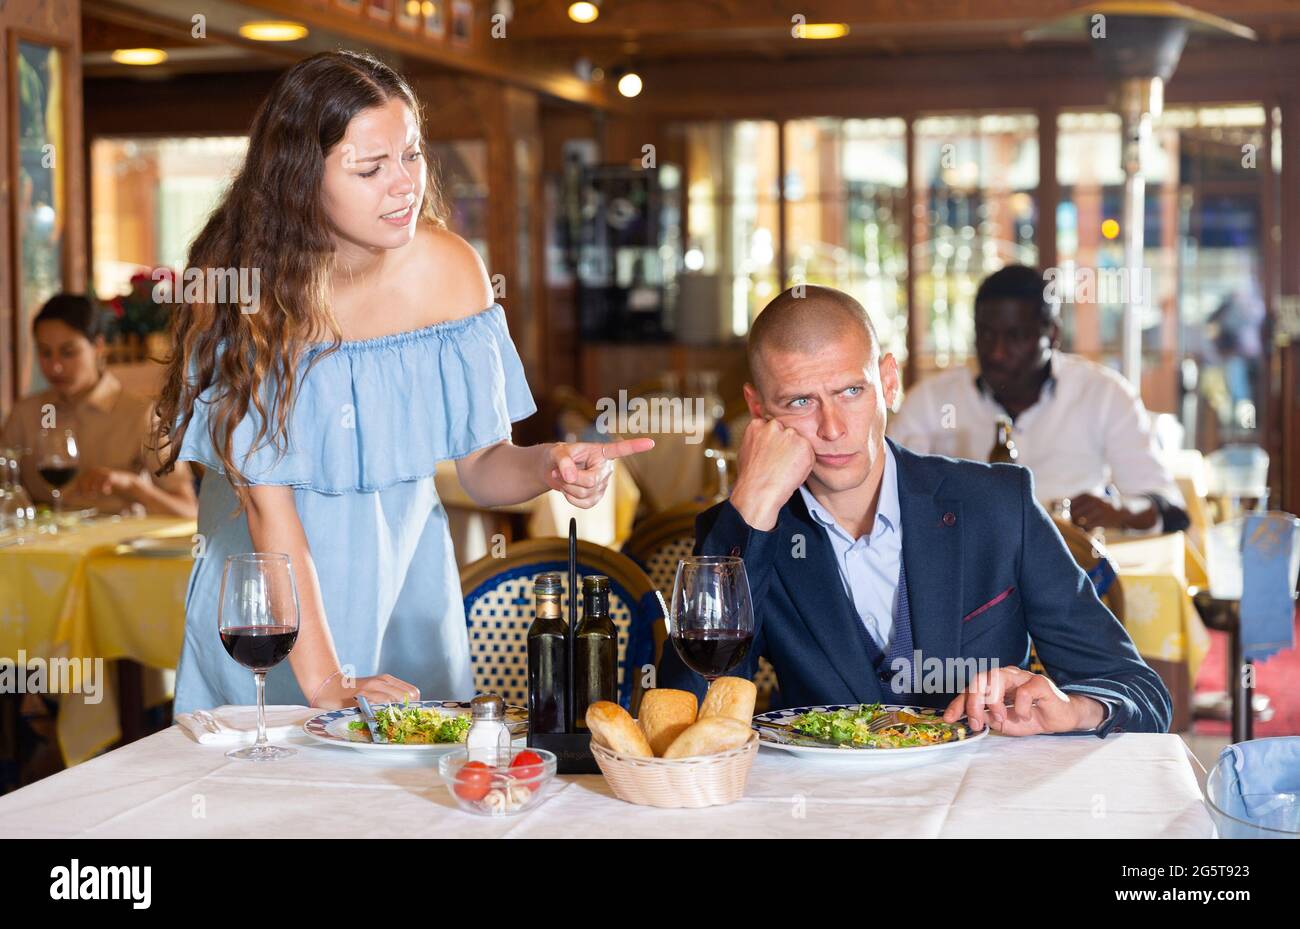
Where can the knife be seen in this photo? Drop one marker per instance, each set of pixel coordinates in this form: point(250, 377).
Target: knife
point(368, 715)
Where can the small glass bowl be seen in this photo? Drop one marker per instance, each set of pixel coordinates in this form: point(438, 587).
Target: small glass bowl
point(497, 789)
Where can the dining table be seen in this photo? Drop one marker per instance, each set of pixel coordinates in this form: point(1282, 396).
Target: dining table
point(169, 785)
point(106, 591)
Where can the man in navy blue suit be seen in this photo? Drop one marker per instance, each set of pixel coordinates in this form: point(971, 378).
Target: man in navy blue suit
point(881, 575)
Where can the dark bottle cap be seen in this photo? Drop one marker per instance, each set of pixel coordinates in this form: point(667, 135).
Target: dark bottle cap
point(548, 583)
point(595, 582)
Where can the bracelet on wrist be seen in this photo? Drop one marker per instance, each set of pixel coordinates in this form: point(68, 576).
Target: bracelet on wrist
point(321, 686)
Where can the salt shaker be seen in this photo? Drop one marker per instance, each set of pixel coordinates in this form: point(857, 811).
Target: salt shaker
point(488, 739)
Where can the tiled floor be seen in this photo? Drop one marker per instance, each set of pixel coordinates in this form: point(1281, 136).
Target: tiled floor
point(1206, 748)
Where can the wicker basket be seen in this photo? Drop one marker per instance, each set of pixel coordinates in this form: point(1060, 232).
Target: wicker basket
point(685, 783)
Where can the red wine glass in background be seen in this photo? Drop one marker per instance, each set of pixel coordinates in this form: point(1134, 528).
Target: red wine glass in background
point(712, 615)
point(57, 462)
point(258, 620)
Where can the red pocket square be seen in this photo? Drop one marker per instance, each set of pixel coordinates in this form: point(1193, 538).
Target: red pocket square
point(988, 606)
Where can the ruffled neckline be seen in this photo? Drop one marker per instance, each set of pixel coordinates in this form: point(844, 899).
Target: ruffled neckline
point(393, 339)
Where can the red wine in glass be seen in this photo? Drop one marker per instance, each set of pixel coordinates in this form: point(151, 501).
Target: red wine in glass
point(713, 652)
point(712, 616)
point(57, 476)
point(257, 619)
point(57, 461)
point(259, 648)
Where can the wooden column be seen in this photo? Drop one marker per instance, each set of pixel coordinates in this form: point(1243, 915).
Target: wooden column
point(507, 119)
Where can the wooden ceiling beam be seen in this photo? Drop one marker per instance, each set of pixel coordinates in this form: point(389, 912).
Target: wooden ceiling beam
point(542, 19)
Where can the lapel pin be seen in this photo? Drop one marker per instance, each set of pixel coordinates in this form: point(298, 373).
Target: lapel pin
point(949, 519)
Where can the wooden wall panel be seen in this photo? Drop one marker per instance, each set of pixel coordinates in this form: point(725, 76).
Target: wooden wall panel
point(56, 21)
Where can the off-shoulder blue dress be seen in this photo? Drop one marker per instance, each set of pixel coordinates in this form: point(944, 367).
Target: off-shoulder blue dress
point(370, 423)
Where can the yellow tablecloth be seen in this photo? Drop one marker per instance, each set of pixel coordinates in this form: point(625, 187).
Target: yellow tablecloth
point(1159, 614)
point(71, 596)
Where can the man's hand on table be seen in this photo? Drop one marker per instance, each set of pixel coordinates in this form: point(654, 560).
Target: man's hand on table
point(774, 461)
point(1037, 705)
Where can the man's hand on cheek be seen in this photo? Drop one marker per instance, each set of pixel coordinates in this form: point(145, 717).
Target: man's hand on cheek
point(774, 460)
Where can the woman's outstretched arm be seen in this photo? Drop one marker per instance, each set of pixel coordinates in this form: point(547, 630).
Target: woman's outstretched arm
point(504, 473)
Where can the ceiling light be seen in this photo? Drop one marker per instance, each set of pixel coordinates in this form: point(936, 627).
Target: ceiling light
point(268, 30)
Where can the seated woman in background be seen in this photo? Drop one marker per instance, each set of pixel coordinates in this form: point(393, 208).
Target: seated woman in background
point(112, 425)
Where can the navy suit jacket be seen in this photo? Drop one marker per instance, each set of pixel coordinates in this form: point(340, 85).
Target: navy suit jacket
point(987, 571)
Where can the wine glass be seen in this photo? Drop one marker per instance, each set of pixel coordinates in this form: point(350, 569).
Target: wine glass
point(258, 620)
point(712, 614)
point(57, 461)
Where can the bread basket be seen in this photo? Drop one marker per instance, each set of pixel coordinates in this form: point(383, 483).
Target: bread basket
point(679, 783)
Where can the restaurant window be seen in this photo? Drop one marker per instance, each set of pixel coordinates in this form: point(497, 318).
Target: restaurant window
point(975, 184)
point(845, 215)
point(1204, 313)
point(150, 197)
point(732, 226)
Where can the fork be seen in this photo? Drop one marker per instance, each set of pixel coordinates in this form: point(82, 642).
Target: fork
point(895, 717)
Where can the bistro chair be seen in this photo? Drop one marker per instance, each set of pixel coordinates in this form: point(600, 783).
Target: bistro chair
point(499, 610)
point(658, 544)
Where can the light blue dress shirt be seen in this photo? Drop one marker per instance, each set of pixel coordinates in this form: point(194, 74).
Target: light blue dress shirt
point(869, 564)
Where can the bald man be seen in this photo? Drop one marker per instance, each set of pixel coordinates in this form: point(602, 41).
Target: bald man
point(879, 575)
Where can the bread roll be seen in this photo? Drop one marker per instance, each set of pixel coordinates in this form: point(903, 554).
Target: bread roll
point(664, 715)
point(612, 727)
point(732, 697)
point(709, 736)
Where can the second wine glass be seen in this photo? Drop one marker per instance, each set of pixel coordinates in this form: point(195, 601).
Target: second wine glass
point(712, 615)
point(57, 462)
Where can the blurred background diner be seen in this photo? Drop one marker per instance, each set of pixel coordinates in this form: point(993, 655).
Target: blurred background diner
point(640, 178)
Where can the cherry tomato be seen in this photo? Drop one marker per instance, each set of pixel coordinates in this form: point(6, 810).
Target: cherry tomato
point(526, 766)
point(473, 781)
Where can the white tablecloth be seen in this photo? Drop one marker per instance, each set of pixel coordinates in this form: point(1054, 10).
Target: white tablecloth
point(167, 785)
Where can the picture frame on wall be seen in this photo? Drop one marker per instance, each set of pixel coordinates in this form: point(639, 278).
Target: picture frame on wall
point(435, 22)
point(380, 10)
point(462, 22)
point(407, 15)
point(39, 156)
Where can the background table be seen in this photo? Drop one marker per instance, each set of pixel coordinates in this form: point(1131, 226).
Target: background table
point(1127, 785)
point(73, 595)
point(1159, 613)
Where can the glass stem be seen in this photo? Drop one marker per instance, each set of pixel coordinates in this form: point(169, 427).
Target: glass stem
point(261, 707)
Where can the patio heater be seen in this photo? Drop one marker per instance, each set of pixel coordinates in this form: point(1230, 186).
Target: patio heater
point(1138, 44)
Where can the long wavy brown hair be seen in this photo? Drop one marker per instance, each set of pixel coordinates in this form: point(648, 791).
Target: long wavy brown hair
point(272, 219)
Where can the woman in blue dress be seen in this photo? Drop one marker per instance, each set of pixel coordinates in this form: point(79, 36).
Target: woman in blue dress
point(320, 405)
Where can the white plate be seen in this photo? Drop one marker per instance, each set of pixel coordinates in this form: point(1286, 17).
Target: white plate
point(880, 758)
point(332, 728)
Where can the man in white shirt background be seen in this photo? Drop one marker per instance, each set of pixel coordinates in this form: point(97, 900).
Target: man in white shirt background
point(1079, 426)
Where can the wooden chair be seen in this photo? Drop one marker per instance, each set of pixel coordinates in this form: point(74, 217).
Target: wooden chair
point(657, 544)
point(574, 413)
point(1090, 555)
point(499, 609)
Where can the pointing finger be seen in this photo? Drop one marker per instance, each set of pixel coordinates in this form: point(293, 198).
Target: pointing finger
point(622, 449)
